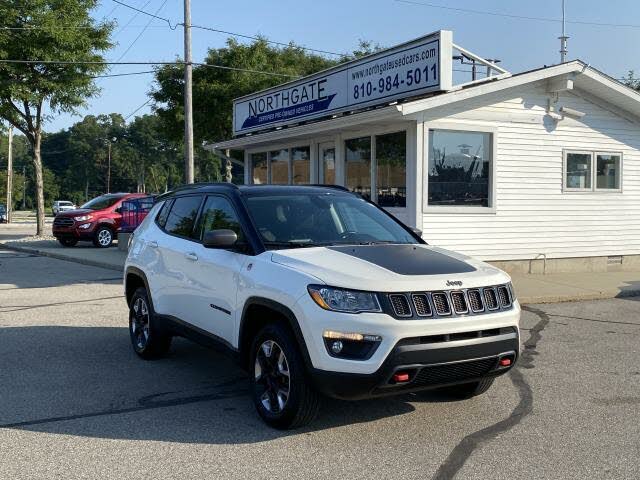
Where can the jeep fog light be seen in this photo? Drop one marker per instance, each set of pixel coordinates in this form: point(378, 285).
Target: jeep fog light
point(351, 346)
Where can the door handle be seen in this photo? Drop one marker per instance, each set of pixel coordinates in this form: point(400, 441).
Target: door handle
point(153, 244)
point(191, 256)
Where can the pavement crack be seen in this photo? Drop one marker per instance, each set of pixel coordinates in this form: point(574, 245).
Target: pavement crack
point(222, 391)
point(461, 452)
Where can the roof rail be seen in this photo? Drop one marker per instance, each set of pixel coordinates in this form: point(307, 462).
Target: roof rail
point(195, 186)
point(336, 187)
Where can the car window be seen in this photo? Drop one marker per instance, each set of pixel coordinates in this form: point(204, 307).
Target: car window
point(307, 220)
point(161, 219)
point(101, 202)
point(219, 214)
point(182, 215)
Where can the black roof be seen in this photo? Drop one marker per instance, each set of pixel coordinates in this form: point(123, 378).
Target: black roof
point(252, 189)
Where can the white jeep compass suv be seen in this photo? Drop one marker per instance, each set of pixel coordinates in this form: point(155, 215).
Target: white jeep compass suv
point(316, 291)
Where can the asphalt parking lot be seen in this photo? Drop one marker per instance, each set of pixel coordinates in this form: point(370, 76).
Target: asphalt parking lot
point(75, 401)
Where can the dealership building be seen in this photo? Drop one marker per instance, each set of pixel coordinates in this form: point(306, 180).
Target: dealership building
point(538, 171)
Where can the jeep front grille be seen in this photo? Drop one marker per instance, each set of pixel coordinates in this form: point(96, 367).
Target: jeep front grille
point(459, 302)
point(490, 299)
point(503, 296)
point(400, 305)
point(421, 304)
point(473, 301)
point(441, 303)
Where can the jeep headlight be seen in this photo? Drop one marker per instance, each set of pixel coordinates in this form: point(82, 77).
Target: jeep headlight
point(83, 218)
point(341, 300)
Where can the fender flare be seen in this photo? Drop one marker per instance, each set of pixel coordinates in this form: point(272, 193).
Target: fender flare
point(140, 274)
point(287, 314)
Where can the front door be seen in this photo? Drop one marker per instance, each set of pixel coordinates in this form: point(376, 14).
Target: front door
point(327, 163)
point(214, 275)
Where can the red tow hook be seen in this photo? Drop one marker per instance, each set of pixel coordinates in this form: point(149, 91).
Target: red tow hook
point(505, 362)
point(400, 377)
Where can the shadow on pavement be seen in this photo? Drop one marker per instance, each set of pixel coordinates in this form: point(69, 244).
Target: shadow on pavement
point(87, 381)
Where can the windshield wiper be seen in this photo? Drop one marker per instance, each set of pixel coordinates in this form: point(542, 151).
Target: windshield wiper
point(290, 244)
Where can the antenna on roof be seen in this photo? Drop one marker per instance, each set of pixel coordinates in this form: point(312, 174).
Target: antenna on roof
point(563, 39)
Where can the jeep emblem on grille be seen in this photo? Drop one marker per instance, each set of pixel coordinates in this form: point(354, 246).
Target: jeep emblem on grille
point(454, 283)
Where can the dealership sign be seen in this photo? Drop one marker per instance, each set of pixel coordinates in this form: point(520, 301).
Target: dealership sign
point(407, 70)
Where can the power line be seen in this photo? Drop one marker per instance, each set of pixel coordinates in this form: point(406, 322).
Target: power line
point(75, 62)
point(123, 74)
point(130, 20)
point(520, 17)
point(138, 109)
point(142, 32)
point(174, 26)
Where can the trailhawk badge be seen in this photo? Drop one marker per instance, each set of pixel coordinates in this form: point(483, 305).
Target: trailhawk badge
point(454, 283)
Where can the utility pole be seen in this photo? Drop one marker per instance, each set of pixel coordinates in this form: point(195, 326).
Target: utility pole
point(188, 96)
point(10, 176)
point(109, 169)
point(563, 39)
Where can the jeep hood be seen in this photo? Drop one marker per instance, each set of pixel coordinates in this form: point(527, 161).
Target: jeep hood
point(388, 267)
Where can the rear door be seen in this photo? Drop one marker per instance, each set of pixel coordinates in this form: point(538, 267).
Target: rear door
point(214, 276)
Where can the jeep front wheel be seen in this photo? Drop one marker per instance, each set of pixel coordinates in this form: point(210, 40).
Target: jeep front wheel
point(281, 391)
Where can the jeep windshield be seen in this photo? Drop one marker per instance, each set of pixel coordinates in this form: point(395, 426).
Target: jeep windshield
point(298, 220)
point(101, 202)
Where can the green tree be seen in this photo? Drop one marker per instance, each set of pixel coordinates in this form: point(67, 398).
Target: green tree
point(632, 81)
point(214, 88)
point(28, 89)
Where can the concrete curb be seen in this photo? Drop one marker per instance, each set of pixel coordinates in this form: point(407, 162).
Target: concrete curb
point(526, 300)
point(82, 261)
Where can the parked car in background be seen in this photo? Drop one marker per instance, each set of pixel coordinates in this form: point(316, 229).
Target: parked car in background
point(3, 213)
point(96, 221)
point(62, 206)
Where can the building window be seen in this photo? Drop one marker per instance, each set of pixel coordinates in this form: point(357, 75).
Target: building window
point(391, 169)
point(328, 165)
point(358, 166)
point(459, 171)
point(301, 165)
point(578, 171)
point(259, 168)
point(279, 167)
point(608, 171)
point(586, 171)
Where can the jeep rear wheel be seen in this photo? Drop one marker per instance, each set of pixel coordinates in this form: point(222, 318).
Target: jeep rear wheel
point(103, 237)
point(280, 388)
point(147, 338)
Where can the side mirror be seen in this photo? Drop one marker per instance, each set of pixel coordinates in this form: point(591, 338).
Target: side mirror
point(222, 238)
point(417, 231)
point(118, 210)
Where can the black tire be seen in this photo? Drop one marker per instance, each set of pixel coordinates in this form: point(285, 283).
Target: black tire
point(302, 401)
point(68, 242)
point(469, 390)
point(147, 338)
point(103, 237)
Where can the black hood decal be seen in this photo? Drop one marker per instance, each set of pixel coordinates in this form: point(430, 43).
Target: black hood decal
point(407, 259)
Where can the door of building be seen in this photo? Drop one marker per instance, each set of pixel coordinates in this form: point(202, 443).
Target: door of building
point(327, 163)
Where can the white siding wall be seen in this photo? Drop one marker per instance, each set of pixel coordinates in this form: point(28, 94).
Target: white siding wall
point(533, 216)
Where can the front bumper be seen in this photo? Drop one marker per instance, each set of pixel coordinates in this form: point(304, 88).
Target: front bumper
point(74, 231)
point(428, 365)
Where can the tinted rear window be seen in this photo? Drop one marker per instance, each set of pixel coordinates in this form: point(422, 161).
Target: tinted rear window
point(182, 215)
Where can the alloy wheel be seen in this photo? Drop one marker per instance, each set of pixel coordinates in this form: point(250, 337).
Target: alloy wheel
point(104, 237)
point(271, 373)
point(140, 323)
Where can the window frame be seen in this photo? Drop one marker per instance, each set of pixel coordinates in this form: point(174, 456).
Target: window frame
point(195, 222)
point(461, 127)
point(373, 134)
point(280, 146)
point(594, 173)
point(235, 211)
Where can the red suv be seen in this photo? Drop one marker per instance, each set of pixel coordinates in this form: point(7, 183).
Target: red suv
point(97, 220)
